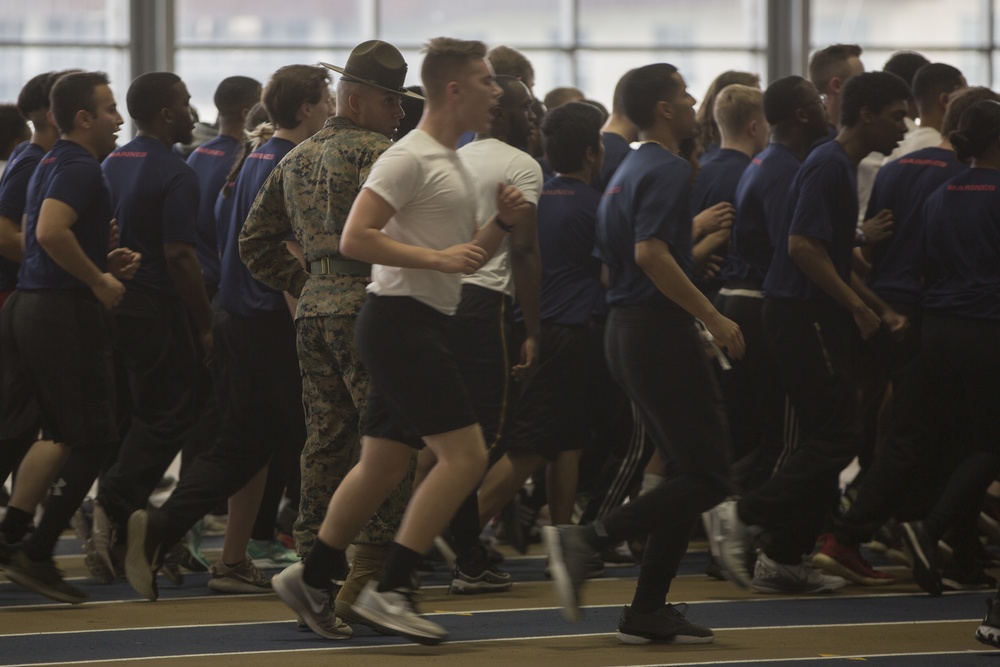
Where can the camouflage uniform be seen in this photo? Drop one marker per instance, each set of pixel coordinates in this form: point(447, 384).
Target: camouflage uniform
point(309, 195)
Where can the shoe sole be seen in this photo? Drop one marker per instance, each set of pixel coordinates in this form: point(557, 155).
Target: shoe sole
point(138, 569)
point(565, 591)
point(35, 586)
point(386, 624)
point(285, 593)
point(346, 612)
point(95, 565)
point(472, 588)
point(826, 588)
point(988, 635)
point(638, 640)
point(101, 540)
point(832, 566)
point(923, 572)
point(734, 572)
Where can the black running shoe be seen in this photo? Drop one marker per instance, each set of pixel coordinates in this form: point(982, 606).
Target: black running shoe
point(924, 555)
point(666, 625)
point(42, 577)
point(988, 631)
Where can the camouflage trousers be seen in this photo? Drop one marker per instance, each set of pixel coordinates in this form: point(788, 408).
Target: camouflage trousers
point(334, 393)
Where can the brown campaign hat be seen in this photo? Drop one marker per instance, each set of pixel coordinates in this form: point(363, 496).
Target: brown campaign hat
point(378, 64)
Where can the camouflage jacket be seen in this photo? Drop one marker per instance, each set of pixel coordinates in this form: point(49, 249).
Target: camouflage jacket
point(308, 196)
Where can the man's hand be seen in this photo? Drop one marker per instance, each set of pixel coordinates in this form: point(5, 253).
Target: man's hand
point(712, 219)
point(510, 202)
point(727, 335)
point(895, 323)
point(529, 358)
point(113, 236)
point(868, 322)
point(878, 228)
point(462, 258)
point(108, 290)
point(123, 263)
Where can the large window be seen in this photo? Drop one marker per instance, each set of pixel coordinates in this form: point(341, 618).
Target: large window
point(43, 35)
point(584, 43)
point(957, 32)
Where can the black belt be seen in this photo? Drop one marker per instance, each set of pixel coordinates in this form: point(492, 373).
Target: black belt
point(349, 267)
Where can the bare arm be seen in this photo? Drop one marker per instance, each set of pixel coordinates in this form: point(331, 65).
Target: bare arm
point(526, 267)
point(812, 258)
point(363, 240)
point(653, 256)
point(55, 235)
point(185, 272)
point(11, 240)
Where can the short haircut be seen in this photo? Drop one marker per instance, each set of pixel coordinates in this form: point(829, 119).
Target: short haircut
point(600, 107)
point(783, 98)
point(708, 129)
point(73, 92)
point(289, 88)
point(645, 88)
point(737, 105)
point(962, 100)
point(875, 90)
point(905, 65)
point(445, 60)
point(978, 130)
point(13, 127)
point(933, 79)
point(512, 62)
point(236, 93)
point(831, 62)
point(567, 132)
point(507, 82)
point(150, 93)
point(561, 95)
point(618, 102)
point(34, 96)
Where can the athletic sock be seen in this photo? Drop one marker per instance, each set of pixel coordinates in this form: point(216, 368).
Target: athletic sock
point(323, 565)
point(399, 567)
point(15, 524)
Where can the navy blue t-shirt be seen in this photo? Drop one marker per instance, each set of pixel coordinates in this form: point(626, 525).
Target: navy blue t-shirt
point(763, 208)
point(13, 195)
point(212, 162)
point(71, 175)
point(615, 150)
point(571, 275)
point(649, 196)
point(903, 186)
point(239, 292)
point(961, 246)
point(716, 181)
point(825, 196)
point(155, 196)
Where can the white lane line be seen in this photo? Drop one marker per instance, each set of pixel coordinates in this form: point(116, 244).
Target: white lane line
point(859, 656)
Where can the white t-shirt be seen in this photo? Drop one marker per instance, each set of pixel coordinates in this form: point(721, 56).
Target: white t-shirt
point(917, 137)
point(491, 162)
point(435, 202)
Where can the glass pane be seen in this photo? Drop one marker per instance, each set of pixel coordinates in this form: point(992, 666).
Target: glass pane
point(655, 23)
point(900, 24)
point(598, 72)
point(19, 64)
point(973, 64)
point(203, 69)
point(409, 23)
point(78, 21)
point(306, 22)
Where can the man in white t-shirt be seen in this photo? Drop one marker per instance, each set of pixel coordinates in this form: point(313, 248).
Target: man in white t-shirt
point(416, 221)
point(480, 335)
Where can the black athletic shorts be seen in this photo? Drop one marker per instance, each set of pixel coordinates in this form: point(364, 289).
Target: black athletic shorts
point(416, 387)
